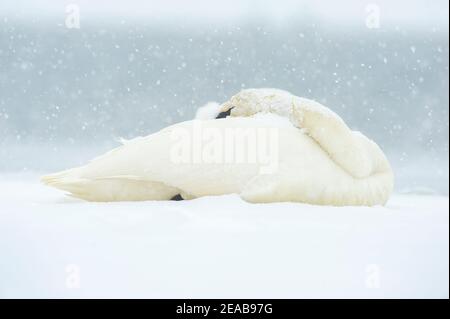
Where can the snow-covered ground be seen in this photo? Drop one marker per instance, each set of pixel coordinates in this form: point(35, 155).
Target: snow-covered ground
point(54, 246)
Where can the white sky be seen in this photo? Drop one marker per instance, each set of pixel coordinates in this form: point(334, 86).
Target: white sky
point(396, 12)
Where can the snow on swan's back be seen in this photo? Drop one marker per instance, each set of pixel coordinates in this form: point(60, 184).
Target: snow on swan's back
point(272, 147)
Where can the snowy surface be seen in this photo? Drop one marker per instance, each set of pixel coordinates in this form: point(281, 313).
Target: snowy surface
point(54, 246)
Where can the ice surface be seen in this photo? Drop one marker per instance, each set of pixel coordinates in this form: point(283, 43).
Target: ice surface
point(218, 247)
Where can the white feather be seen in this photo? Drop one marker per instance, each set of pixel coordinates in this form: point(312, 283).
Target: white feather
point(208, 112)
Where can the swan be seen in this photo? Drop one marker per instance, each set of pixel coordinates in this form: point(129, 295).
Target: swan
point(266, 145)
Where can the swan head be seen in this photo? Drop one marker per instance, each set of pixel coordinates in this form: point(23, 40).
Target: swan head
point(249, 101)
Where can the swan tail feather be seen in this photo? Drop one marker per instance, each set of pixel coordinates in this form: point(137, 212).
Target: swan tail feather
point(109, 188)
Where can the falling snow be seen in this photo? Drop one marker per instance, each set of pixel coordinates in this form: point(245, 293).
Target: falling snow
point(80, 89)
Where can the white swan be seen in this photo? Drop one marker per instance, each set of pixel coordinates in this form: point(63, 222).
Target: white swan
point(273, 147)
